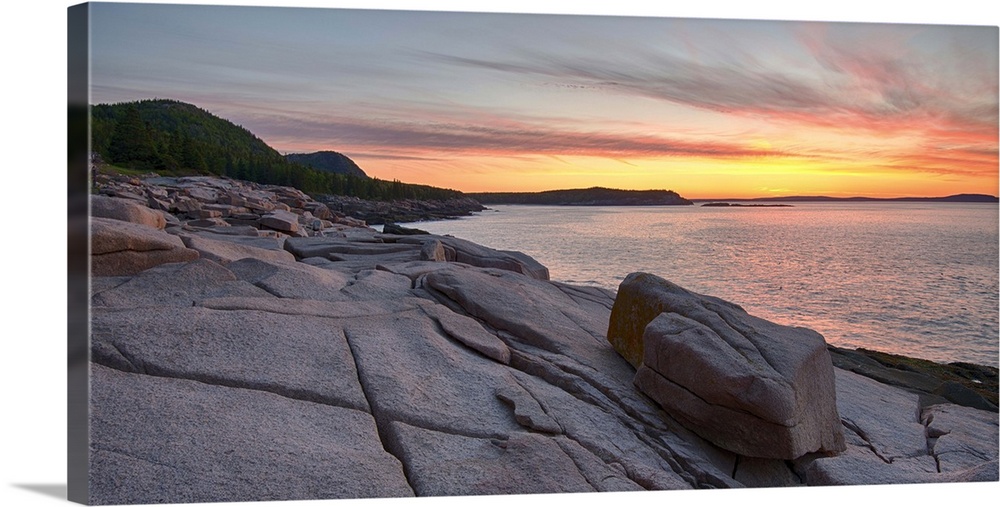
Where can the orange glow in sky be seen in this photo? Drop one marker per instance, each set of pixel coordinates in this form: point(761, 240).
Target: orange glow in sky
point(707, 108)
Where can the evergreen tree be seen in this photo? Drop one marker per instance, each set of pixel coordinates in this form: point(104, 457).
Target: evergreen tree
point(131, 144)
point(190, 154)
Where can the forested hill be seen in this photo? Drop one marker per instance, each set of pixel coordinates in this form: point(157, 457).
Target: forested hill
point(176, 138)
point(596, 196)
point(328, 161)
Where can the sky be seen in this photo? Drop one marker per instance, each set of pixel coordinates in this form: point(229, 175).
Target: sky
point(528, 102)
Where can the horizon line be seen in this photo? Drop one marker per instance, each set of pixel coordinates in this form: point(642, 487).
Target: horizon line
point(782, 197)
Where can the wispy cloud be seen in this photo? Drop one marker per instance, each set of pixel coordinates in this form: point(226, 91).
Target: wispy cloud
point(847, 86)
point(389, 156)
point(474, 138)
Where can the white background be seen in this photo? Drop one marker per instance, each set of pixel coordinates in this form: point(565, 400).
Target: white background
point(33, 166)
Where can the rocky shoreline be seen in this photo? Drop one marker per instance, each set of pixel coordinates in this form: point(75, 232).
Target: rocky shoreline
point(406, 210)
point(251, 343)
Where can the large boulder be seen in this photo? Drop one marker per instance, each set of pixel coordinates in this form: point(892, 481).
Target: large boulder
point(126, 210)
point(125, 248)
point(748, 385)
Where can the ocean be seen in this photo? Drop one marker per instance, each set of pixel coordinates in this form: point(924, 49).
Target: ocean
point(918, 279)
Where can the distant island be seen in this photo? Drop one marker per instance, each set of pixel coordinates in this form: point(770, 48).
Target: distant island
point(601, 196)
point(823, 198)
point(738, 205)
point(594, 196)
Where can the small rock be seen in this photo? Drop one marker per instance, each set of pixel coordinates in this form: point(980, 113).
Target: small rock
point(470, 333)
point(205, 195)
point(961, 395)
point(281, 220)
point(527, 411)
point(206, 213)
point(185, 205)
point(432, 251)
point(208, 222)
point(392, 228)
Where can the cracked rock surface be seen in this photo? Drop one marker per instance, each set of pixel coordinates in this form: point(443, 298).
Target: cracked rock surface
point(356, 366)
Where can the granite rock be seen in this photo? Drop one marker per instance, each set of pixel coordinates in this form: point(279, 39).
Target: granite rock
point(454, 464)
point(225, 249)
point(293, 280)
point(962, 439)
point(176, 284)
point(126, 210)
point(309, 360)
point(347, 367)
point(281, 220)
point(748, 385)
point(166, 440)
point(126, 248)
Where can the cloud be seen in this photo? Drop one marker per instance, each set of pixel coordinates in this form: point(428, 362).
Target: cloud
point(886, 84)
point(726, 88)
point(414, 134)
point(877, 84)
point(417, 139)
point(390, 156)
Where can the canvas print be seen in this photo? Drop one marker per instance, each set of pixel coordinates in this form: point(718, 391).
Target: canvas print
point(342, 253)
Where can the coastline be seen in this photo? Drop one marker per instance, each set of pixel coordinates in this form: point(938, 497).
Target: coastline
point(969, 384)
point(349, 212)
point(782, 265)
point(964, 383)
point(975, 382)
point(432, 365)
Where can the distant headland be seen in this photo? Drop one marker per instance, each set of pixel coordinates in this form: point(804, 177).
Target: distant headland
point(823, 198)
point(594, 196)
point(601, 196)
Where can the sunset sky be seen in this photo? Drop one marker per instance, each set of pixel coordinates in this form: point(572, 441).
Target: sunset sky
point(507, 102)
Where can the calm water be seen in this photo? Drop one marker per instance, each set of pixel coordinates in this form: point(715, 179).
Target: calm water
point(915, 279)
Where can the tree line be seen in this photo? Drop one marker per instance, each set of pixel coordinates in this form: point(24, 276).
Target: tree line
point(174, 138)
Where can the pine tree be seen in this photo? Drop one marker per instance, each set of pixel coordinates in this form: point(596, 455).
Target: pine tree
point(131, 144)
point(191, 156)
